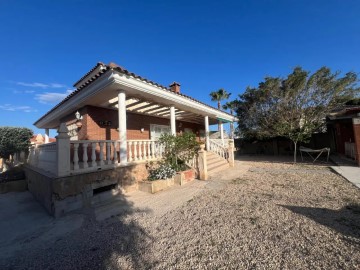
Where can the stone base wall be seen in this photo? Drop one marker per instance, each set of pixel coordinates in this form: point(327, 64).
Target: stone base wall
point(62, 195)
point(13, 186)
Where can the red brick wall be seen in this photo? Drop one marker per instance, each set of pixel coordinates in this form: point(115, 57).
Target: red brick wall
point(357, 141)
point(92, 129)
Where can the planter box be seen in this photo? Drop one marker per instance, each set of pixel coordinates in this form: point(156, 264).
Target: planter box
point(181, 178)
point(155, 186)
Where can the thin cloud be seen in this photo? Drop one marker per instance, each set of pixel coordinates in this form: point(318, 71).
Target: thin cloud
point(13, 108)
point(42, 85)
point(23, 92)
point(52, 97)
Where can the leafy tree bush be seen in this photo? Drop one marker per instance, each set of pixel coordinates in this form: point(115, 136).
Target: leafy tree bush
point(14, 140)
point(179, 149)
point(294, 107)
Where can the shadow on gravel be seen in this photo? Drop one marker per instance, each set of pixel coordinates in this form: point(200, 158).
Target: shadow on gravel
point(118, 242)
point(345, 221)
point(321, 162)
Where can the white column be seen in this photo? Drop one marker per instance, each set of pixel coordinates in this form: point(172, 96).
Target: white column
point(46, 135)
point(222, 132)
point(172, 120)
point(122, 126)
point(207, 133)
point(63, 151)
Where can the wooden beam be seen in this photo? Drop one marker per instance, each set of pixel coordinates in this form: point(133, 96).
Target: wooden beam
point(134, 103)
point(153, 109)
point(164, 112)
point(142, 107)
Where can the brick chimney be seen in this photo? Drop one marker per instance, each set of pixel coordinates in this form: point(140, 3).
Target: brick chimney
point(175, 87)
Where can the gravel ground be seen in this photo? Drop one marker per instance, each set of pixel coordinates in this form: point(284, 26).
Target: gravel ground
point(275, 216)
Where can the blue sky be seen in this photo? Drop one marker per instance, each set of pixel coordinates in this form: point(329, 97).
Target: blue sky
point(46, 46)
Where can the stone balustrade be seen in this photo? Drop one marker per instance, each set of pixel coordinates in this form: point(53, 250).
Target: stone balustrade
point(65, 157)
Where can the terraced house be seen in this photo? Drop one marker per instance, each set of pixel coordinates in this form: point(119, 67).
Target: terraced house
point(108, 129)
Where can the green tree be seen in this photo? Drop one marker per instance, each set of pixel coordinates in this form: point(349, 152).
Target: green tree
point(179, 149)
point(218, 96)
point(294, 107)
point(231, 106)
point(14, 140)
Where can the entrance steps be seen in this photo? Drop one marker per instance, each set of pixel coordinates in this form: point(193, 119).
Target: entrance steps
point(216, 163)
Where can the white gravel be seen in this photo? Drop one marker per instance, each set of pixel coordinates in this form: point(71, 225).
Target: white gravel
point(275, 216)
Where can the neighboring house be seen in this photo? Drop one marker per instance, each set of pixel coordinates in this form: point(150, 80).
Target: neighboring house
point(108, 129)
point(344, 128)
point(41, 139)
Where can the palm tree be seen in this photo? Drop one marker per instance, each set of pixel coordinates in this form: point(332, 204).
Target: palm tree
point(218, 96)
point(232, 106)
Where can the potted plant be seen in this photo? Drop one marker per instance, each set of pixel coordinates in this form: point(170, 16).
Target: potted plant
point(161, 177)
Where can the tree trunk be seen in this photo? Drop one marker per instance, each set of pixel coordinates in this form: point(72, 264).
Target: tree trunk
point(219, 107)
point(295, 143)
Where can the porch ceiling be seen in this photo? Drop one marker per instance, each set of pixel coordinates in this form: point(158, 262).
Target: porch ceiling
point(145, 107)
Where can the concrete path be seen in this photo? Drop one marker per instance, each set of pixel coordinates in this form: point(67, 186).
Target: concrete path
point(352, 174)
point(347, 169)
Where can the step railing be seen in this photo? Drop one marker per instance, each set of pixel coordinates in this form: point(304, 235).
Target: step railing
point(218, 148)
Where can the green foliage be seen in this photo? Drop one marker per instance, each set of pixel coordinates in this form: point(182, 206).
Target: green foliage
point(353, 102)
point(13, 140)
point(179, 149)
point(231, 105)
point(219, 95)
point(294, 107)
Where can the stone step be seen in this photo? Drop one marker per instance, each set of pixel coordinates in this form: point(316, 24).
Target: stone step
point(218, 168)
point(212, 157)
point(215, 160)
point(216, 164)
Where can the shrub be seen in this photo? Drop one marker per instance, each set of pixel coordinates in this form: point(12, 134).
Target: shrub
point(14, 140)
point(179, 149)
point(164, 171)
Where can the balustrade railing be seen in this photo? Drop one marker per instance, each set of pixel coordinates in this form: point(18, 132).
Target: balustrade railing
point(89, 155)
point(140, 150)
point(43, 156)
point(223, 142)
point(218, 148)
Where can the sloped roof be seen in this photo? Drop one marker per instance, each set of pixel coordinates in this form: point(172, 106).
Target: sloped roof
point(99, 69)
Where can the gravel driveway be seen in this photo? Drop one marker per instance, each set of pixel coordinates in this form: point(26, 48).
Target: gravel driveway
point(273, 215)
